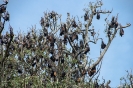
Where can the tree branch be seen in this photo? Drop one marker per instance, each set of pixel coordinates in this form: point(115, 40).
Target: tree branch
point(106, 48)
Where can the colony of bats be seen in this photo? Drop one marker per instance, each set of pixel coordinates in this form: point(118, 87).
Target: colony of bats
point(46, 50)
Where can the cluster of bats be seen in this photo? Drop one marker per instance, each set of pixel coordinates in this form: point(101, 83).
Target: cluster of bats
point(47, 42)
point(32, 42)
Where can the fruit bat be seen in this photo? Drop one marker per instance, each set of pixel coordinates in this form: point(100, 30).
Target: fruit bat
point(86, 16)
point(121, 32)
point(92, 71)
point(103, 45)
point(74, 24)
point(52, 58)
point(42, 21)
point(73, 37)
point(81, 44)
point(98, 15)
point(87, 49)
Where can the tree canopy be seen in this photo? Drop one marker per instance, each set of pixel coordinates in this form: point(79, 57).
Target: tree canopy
point(57, 55)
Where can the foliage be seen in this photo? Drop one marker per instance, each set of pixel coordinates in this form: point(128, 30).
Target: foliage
point(56, 55)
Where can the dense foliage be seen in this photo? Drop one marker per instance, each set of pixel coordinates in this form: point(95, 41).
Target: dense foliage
point(56, 55)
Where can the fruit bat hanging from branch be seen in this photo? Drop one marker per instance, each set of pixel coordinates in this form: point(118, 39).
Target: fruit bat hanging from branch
point(74, 24)
point(65, 39)
point(98, 15)
point(121, 31)
point(73, 36)
point(62, 29)
point(93, 33)
point(116, 21)
point(92, 71)
point(2, 9)
point(87, 49)
point(86, 16)
point(49, 64)
point(42, 21)
point(103, 45)
point(61, 59)
point(81, 44)
point(113, 21)
point(45, 31)
point(52, 58)
point(51, 38)
point(63, 74)
point(76, 46)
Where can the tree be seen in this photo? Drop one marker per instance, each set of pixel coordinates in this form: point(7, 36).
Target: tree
point(126, 81)
point(57, 55)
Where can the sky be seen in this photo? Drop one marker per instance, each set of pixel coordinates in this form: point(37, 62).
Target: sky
point(118, 58)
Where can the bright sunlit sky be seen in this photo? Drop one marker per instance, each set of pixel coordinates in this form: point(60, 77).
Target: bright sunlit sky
point(119, 57)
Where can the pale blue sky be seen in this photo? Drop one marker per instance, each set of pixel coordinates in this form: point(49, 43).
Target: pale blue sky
point(119, 56)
